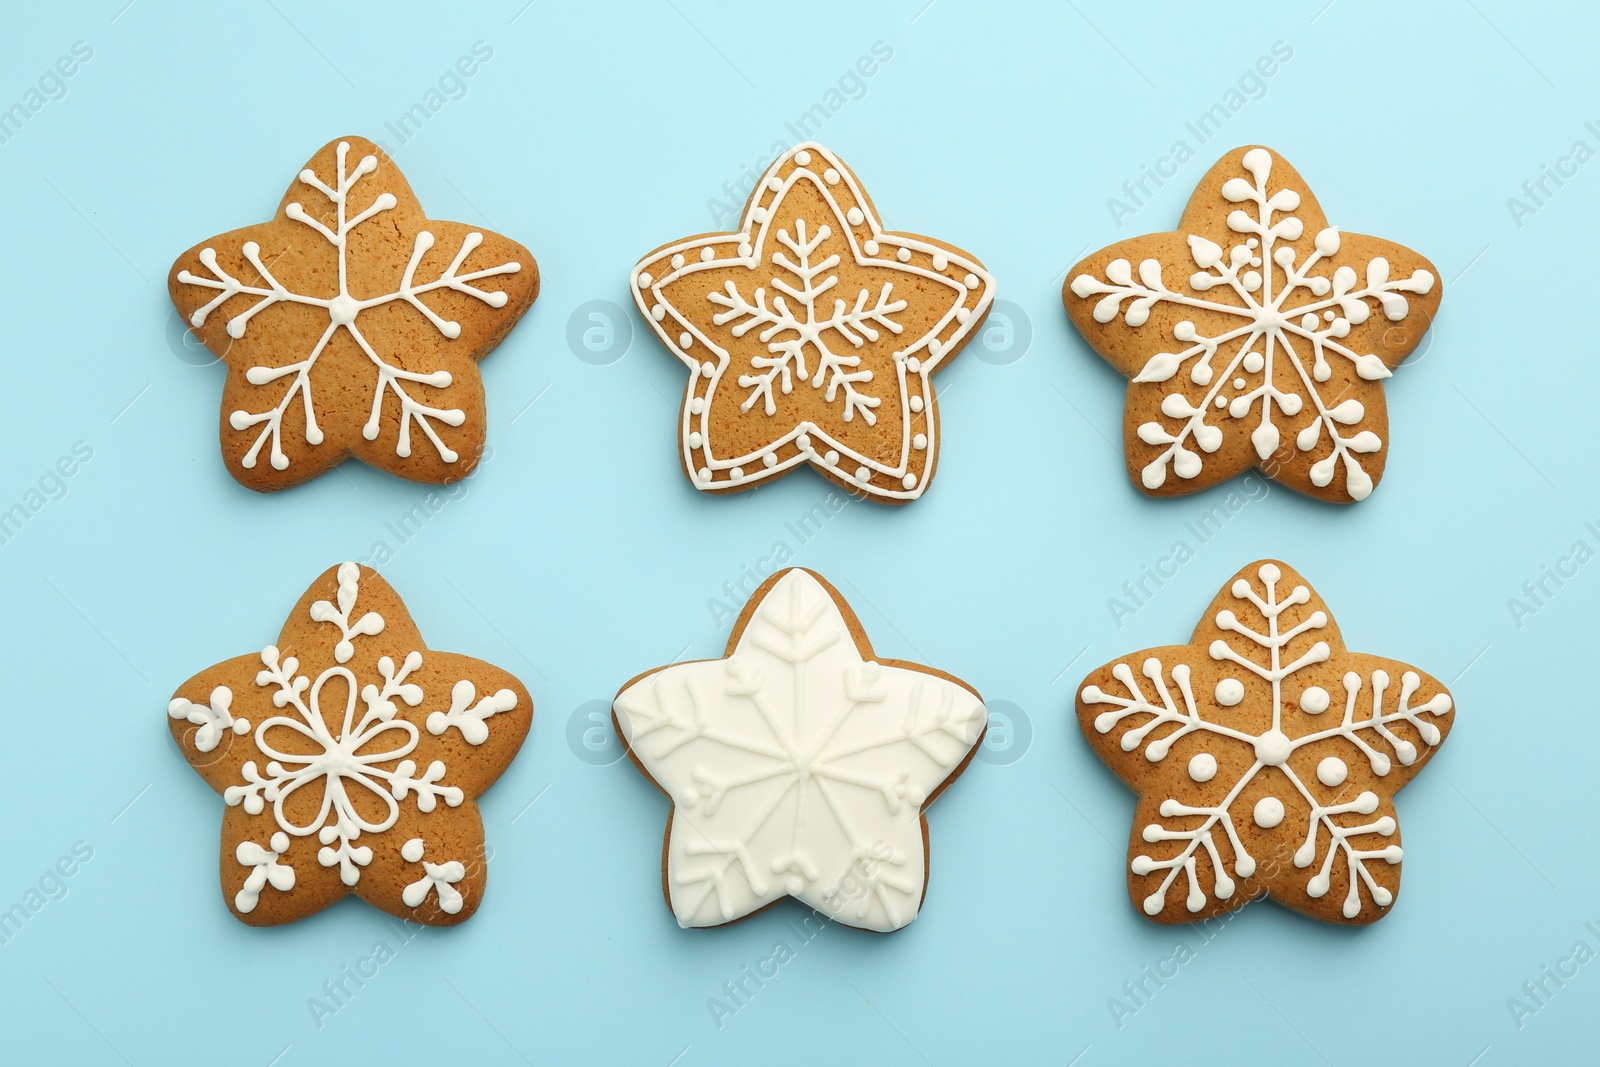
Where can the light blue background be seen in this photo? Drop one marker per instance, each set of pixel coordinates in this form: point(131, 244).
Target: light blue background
point(580, 555)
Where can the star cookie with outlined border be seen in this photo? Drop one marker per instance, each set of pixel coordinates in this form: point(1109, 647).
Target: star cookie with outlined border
point(811, 335)
point(1266, 756)
point(352, 325)
point(1255, 335)
point(350, 756)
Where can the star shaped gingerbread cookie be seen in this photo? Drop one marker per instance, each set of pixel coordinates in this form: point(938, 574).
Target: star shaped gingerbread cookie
point(799, 764)
point(811, 335)
point(349, 755)
point(1255, 335)
point(1266, 757)
point(351, 325)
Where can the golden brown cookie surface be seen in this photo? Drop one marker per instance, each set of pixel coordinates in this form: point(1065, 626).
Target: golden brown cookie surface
point(1255, 335)
point(1266, 757)
point(350, 756)
point(811, 335)
point(351, 325)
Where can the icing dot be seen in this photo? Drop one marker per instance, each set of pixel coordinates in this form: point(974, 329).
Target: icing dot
point(1314, 701)
point(775, 183)
point(1238, 383)
point(920, 441)
point(1332, 771)
point(803, 442)
point(677, 260)
point(940, 261)
point(970, 281)
point(744, 248)
point(963, 314)
point(704, 475)
point(1252, 243)
point(708, 368)
point(854, 216)
point(1329, 315)
point(1269, 812)
point(909, 481)
point(1273, 748)
point(759, 214)
point(695, 439)
point(870, 248)
point(830, 176)
point(1222, 401)
point(411, 851)
point(737, 474)
point(697, 405)
point(1203, 768)
point(802, 157)
point(769, 459)
point(707, 254)
point(914, 365)
point(904, 255)
point(863, 475)
point(658, 312)
point(1229, 692)
point(644, 279)
point(831, 459)
point(916, 403)
point(1254, 361)
point(684, 340)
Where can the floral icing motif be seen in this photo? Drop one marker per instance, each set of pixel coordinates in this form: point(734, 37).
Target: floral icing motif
point(439, 878)
point(346, 746)
point(264, 870)
point(299, 277)
point(798, 764)
point(811, 335)
point(1291, 749)
point(1284, 330)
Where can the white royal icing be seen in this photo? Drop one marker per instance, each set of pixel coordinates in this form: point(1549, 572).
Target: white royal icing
point(796, 767)
point(349, 753)
point(439, 878)
point(1306, 318)
point(804, 332)
point(215, 718)
point(264, 870)
point(1272, 748)
point(344, 310)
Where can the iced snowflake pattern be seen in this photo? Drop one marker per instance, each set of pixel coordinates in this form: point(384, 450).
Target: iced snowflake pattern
point(1165, 708)
point(344, 310)
point(1302, 323)
point(366, 753)
point(797, 767)
point(850, 325)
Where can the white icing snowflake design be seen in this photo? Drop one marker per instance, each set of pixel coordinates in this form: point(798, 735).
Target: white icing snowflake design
point(1375, 723)
point(344, 310)
point(1279, 332)
point(352, 753)
point(796, 766)
point(763, 315)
